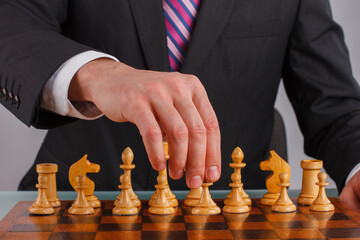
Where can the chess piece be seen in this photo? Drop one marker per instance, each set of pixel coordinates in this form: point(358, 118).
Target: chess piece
point(82, 167)
point(236, 204)
point(283, 204)
point(127, 157)
point(309, 189)
point(206, 206)
point(193, 197)
point(322, 203)
point(81, 205)
point(124, 205)
point(161, 205)
point(277, 165)
point(170, 196)
point(49, 170)
point(41, 205)
point(237, 164)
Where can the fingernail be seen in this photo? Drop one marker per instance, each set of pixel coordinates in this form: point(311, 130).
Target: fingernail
point(178, 174)
point(212, 173)
point(160, 166)
point(195, 182)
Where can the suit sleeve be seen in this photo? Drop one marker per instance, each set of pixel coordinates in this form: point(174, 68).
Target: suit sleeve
point(319, 82)
point(32, 48)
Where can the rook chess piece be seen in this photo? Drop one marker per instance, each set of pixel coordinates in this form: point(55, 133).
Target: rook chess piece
point(193, 197)
point(237, 164)
point(236, 204)
point(309, 189)
point(123, 204)
point(283, 204)
point(41, 205)
point(49, 170)
point(206, 206)
point(322, 203)
point(277, 165)
point(161, 206)
point(81, 205)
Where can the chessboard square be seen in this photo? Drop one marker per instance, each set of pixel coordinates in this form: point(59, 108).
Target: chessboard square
point(186, 210)
point(98, 212)
point(163, 227)
point(344, 238)
point(33, 228)
point(121, 219)
point(341, 232)
point(163, 218)
point(229, 217)
point(207, 226)
point(38, 220)
point(72, 236)
point(326, 216)
point(311, 233)
point(108, 205)
point(292, 224)
point(107, 212)
point(130, 235)
point(119, 227)
point(209, 234)
point(337, 224)
point(286, 217)
point(27, 235)
point(254, 234)
point(203, 218)
point(74, 219)
point(249, 225)
point(76, 228)
point(255, 210)
point(174, 235)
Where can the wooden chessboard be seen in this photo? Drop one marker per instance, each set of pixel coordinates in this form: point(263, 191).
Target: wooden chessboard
point(260, 223)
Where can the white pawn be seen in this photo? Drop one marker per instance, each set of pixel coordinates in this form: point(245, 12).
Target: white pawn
point(322, 203)
point(283, 204)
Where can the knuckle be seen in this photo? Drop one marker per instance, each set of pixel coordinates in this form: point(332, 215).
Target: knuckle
point(212, 125)
point(151, 131)
point(197, 130)
point(180, 132)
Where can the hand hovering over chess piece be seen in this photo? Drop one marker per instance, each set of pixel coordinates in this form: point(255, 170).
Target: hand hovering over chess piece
point(351, 192)
point(158, 103)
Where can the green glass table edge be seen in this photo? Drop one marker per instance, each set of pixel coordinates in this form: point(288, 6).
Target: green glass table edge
point(9, 199)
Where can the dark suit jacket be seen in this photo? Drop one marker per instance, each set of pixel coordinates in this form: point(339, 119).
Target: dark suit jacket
point(240, 49)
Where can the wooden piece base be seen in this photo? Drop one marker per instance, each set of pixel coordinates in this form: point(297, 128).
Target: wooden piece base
point(269, 199)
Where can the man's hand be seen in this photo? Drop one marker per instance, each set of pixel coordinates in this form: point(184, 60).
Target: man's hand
point(157, 103)
point(351, 192)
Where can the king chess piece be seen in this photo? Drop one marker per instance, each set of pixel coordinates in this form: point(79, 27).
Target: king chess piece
point(41, 205)
point(161, 205)
point(123, 204)
point(81, 205)
point(283, 204)
point(322, 203)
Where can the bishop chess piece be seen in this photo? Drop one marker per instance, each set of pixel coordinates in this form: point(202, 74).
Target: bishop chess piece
point(41, 205)
point(309, 189)
point(49, 170)
point(277, 165)
point(283, 204)
point(236, 204)
point(206, 206)
point(193, 197)
point(81, 205)
point(237, 164)
point(170, 196)
point(123, 204)
point(127, 157)
point(161, 205)
point(322, 203)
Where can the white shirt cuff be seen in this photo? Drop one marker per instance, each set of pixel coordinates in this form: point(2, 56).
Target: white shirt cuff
point(352, 173)
point(55, 92)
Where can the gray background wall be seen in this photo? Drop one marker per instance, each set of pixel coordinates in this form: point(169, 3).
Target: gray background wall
point(19, 144)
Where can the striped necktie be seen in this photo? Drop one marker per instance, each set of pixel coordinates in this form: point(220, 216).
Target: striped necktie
point(180, 16)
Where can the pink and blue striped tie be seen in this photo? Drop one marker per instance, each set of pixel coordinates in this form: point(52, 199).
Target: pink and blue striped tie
point(180, 16)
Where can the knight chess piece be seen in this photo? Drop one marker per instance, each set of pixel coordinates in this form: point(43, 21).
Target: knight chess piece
point(237, 164)
point(193, 197)
point(277, 165)
point(161, 205)
point(206, 206)
point(322, 203)
point(309, 189)
point(41, 205)
point(49, 170)
point(236, 204)
point(82, 167)
point(123, 204)
point(283, 204)
point(81, 205)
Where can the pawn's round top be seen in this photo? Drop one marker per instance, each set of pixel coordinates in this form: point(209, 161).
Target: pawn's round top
point(42, 179)
point(237, 155)
point(284, 177)
point(322, 177)
point(127, 156)
point(80, 180)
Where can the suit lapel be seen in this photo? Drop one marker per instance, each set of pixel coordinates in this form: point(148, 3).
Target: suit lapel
point(210, 22)
point(150, 23)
